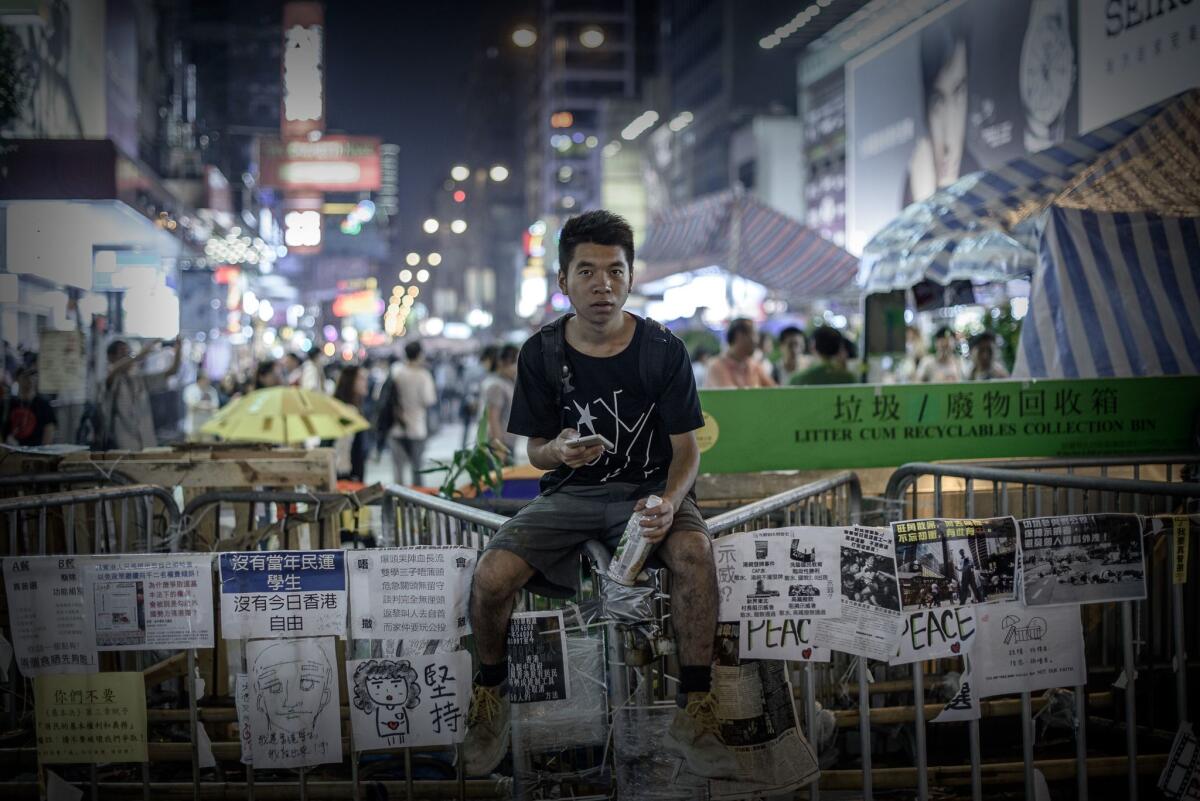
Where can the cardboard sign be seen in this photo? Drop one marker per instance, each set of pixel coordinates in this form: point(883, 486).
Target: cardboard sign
point(91, 718)
point(409, 701)
point(283, 594)
point(935, 633)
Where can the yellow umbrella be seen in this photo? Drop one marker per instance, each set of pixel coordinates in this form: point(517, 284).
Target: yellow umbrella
point(285, 416)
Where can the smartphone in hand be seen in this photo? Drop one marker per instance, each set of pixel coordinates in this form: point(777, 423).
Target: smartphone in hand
point(592, 439)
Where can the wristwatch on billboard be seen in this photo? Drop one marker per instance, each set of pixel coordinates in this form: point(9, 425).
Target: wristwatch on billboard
point(1047, 73)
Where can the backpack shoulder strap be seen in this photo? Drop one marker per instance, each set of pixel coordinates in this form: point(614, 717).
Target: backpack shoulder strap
point(554, 359)
point(652, 360)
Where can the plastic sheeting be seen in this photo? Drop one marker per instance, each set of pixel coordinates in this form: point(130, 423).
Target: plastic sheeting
point(644, 769)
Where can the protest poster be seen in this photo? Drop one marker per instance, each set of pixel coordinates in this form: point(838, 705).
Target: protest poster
point(1076, 559)
point(150, 602)
point(757, 714)
point(1022, 650)
point(62, 363)
point(935, 634)
point(411, 593)
point(1080, 559)
point(777, 573)
point(955, 562)
point(283, 594)
point(1181, 775)
point(295, 719)
point(409, 701)
point(870, 597)
point(537, 658)
point(241, 688)
point(47, 613)
point(965, 703)
point(93, 718)
point(789, 638)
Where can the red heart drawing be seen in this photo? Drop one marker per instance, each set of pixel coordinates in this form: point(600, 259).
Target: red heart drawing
point(806, 653)
point(393, 724)
point(955, 647)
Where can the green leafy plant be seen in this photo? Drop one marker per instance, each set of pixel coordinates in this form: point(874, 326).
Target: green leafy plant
point(482, 468)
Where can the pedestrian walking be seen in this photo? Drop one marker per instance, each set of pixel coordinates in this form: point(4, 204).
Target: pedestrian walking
point(415, 393)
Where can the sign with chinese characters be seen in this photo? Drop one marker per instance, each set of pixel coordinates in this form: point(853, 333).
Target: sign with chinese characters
point(294, 714)
point(411, 593)
point(537, 658)
point(870, 597)
point(409, 701)
point(283, 594)
point(935, 633)
point(150, 602)
point(965, 703)
point(777, 573)
point(789, 639)
point(1078, 559)
point(954, 562)
point(95, 718)
point(1022, 650)
point(51, 628)
point(889, 425)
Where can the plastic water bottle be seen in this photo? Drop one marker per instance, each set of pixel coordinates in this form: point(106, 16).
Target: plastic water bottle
point(633, 548)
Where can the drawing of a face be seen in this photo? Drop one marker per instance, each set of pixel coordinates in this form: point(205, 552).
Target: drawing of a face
point(388, 690)
point(292, 690)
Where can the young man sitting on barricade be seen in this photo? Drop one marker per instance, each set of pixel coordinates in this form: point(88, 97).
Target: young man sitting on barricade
point(601, 371)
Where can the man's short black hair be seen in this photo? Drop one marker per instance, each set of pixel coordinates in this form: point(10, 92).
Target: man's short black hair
point(413, 350)
point(827, 341)
point(264, 367)
point(792, 331)
point(114, 347)
point(508, 354)
point(741, 325)
point(599, 227)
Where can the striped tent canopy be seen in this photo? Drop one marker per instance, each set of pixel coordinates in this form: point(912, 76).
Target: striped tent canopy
point(741, 234)
point(984, 227)
point(1116, 294)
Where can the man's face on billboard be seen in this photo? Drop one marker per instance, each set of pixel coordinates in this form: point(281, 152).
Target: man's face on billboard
point(947, 107)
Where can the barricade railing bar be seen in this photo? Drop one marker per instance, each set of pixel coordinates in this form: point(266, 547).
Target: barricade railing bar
point(836, 500)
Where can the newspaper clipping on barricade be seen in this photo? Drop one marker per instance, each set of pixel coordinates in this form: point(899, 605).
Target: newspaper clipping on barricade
point(1181, 775)
point(758, 723)
point(1082, 559)
point(411, 593)
point(145, 602)
point(778, 573)
point(956, 562)
point(870, 597)
point(51, 629)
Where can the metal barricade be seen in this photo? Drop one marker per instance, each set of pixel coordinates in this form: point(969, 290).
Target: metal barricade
point(919, 490)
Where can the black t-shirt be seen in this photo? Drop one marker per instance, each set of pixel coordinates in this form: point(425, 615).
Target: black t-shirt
point(27, 420)
point(606, 397)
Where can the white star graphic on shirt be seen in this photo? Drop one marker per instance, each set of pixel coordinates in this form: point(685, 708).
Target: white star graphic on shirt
point(585, 416)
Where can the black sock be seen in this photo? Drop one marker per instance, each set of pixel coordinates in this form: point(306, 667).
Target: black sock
point(492, 675)
point(695, 678)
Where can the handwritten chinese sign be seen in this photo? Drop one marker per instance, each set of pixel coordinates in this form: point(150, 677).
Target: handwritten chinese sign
point(92, 719)
point(283, 594)
point(411, 593)
point(409, 701)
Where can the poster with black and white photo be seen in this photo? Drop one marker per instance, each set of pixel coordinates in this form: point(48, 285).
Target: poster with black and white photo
point(537, 658)
point(777, 573)
point(870, 597)
point(1082, 559)
point(1022, 650)
point(1181, 775)
point(956, 562)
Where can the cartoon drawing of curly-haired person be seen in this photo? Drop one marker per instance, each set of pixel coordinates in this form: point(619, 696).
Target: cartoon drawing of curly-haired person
point(389, 689)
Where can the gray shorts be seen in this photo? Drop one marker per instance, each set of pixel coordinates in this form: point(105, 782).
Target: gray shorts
point(550, 532)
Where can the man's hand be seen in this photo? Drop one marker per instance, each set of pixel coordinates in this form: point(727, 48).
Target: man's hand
point(656, 523)
point(575, 456)
point(498, 448)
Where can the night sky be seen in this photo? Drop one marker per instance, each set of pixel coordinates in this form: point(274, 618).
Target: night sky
point(396, 70)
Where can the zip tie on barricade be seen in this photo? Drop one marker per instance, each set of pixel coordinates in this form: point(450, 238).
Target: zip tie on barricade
point(108, 474)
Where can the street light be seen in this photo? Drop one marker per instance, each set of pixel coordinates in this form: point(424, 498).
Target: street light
point(591, 37)
point(460, 172)
point(499, 173)
point(430, 226)
point(458, 226)
point(434, 259)
point(412, 259)
point(405, 275)
point(422, 276)
point(524, 36)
